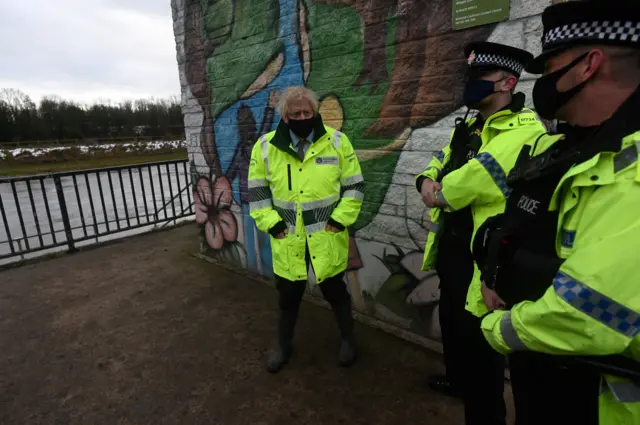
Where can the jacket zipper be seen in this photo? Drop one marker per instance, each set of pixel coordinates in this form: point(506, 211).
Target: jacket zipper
point(289, 175)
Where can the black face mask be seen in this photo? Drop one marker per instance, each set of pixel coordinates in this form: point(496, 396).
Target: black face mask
point(302, 128)
point(547, 100)
point(476, 90)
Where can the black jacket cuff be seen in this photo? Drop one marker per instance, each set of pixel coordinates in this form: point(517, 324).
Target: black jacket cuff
point(280, 227)
point(335, 224)
point(419, 182)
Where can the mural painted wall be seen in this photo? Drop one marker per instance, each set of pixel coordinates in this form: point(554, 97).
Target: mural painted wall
point(388, 73)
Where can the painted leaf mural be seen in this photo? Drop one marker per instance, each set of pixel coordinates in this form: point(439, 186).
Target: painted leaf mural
point(252, 44)
point(384, 70)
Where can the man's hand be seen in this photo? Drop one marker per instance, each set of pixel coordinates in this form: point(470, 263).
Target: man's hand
point(330, 228)
point(491, 298)
point(428, 193)
point(282, 235)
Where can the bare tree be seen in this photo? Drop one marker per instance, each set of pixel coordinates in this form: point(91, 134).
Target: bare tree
point(55, 118)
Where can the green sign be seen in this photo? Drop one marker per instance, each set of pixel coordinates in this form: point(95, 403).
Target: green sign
point(472, 13)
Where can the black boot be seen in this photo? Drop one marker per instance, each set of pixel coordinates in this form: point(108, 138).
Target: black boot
point(344, 317)
point(280, 357)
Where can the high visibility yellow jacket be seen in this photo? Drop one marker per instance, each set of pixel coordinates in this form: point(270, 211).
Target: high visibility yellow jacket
point(302, 197)
point(481, 183)
point(593, 305)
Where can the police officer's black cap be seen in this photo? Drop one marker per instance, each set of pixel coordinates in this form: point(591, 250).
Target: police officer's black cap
point(575, 23)
point(484, 55)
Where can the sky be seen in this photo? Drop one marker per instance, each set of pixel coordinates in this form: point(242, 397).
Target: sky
point(85, 50)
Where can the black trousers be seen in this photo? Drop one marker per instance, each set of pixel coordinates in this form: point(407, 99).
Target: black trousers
point(545, 392)
point(454, 265)
point(333, 289)
point(473, 367)
point(483, 388)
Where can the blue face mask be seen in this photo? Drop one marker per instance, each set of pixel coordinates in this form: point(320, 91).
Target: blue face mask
point(477, 90)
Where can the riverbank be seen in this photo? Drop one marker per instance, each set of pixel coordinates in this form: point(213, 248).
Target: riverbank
point(27, 161)
point(19, 169)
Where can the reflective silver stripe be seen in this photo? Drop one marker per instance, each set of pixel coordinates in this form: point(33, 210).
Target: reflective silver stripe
point(258, 205)
point(287, 211)
point(320, 203)
point(257, 183)
point(285, 204)
point(353, 187)
point(259, 194)
point(626, 157)
point(315, 228)
point(346, 181)
point(441, 199)
point(509, 334)
point(625, 391)
point(336, 140)
point(355, 194)
point(316, 214)
point(264, 144)
point(597, 306)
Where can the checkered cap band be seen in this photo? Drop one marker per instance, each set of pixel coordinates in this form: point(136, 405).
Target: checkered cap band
point(622, 31)
point(498, 60)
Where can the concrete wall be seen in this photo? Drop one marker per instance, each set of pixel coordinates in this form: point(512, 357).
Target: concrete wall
point(389, 75)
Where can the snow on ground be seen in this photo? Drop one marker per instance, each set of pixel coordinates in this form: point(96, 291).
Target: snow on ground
point(149, 146)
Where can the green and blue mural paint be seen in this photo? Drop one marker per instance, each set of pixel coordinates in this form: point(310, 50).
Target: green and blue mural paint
point(389, 73)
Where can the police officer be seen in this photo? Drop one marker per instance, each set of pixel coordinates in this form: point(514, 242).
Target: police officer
point(305, 189)
point(563, 256)
point(464, 185)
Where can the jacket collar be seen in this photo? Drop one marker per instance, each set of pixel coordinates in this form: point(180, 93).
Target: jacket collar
point(282, 138)
point(516, 106)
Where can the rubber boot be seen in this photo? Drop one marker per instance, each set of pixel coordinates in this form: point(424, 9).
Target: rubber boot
point(344, 317)
point(280, 357)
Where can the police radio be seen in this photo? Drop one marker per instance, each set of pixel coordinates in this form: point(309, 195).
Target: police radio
point(459, 141)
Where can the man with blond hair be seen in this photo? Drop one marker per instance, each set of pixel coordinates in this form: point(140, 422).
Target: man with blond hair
point(305, 190)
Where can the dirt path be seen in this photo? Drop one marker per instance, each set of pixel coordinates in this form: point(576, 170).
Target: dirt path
point(140, 332)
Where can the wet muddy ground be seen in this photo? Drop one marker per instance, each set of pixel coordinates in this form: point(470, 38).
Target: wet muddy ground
point(141, 332)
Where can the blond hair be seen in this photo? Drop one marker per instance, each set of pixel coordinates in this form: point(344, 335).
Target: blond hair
point(292, 94)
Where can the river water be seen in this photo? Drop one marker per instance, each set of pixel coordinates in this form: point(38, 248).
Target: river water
point(142, 199)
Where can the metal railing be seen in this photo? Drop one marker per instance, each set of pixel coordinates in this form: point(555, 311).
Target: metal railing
point(53, 212)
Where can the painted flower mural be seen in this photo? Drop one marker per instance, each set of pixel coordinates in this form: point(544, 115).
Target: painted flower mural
point(213, 212)
point(383, 70)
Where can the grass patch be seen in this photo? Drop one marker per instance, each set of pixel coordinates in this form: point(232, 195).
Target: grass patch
point(16, 168)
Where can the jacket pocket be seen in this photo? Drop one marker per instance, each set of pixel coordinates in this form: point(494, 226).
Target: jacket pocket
point(339, 246)
point(280, 253)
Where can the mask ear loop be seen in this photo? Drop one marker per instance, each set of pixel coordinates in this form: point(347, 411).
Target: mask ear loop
point(494, 84)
